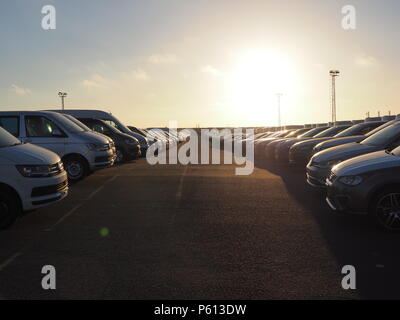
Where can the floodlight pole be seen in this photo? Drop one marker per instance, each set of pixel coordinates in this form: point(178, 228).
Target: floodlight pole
point(62, 95)
point(279, 95)
point(334, 74)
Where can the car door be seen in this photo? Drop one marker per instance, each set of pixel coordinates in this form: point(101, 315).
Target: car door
point(42, 131)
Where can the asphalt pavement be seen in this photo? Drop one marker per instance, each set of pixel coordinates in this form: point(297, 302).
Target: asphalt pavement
point(137, 231)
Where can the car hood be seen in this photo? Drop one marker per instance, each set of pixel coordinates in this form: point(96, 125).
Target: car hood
point(339, 141)
point(343, 152)
point(288, 143)
point(92, 137)
point(310, 143)
point(29, 154)
point(276, 142)
point(365, 163)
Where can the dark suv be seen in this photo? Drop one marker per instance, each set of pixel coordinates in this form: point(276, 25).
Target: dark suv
point(368, 184)
point(127, 147)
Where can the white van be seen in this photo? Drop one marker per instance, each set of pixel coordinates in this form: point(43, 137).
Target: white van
point(80, 151)
point(110, 119)
point(30, 177)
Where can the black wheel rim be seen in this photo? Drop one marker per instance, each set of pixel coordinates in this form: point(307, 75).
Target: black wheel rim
point(120, 156)
point(4, 209)
point(388, 211)
point(74, 169)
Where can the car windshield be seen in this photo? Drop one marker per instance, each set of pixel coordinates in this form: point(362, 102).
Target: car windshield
point(312, 132)
point(77, 122)
point(7, 139)
point(387, 124)
point(353, 130)
point(384, 136)
point(67, 123)
point(330, 132)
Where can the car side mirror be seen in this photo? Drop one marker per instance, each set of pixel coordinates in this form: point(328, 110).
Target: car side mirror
point(57, 134)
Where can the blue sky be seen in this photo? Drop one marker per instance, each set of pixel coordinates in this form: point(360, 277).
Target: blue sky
point(158, 60)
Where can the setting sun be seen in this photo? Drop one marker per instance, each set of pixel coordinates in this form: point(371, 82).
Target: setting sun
point(258, 76)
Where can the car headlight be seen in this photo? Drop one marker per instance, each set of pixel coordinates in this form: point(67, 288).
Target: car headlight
point(130, 142)
point(351, 180)
point(98, 147)
point(34, 171)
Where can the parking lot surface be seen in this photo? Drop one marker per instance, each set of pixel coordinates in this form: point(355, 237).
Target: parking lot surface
point(137, 231)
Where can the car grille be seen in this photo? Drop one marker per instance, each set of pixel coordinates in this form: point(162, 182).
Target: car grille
point(47, 190)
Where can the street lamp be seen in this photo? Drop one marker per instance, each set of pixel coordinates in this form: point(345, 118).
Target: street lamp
point(334, 74)
point(62, 95)
point(279, 95)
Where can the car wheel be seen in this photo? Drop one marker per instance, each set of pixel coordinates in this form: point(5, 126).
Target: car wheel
point(120, 156)
point(76, 168)
point(386, 209)
point(10, 208)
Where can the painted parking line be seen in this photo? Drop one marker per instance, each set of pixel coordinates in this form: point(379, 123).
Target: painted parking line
point(9, 261)
point(65, 216)
point(81, 204)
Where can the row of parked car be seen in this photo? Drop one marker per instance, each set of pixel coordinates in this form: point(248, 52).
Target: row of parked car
point(41, 151)
point(356, 162)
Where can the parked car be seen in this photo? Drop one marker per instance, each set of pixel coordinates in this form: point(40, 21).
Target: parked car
point(259, 144)
point(110, 119)
point(320, 165)
point(86, 128)
point(368, 184)
point(80, 151)
point(282, 149)
point(301, 152)
point(270, 148)
point(127, 147)
point(30, 177)
point(353, 138)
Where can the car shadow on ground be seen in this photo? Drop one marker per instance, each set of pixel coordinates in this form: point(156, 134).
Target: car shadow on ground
point(354, 240)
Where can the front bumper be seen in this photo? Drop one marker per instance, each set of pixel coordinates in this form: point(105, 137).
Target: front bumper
point(133, 152)
point(299, 157)
point(40, 192)
point(347, 199)
point(103, 159)
point(316, 176)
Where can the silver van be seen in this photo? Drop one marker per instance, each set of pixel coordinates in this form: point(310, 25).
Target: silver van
point(81, 151)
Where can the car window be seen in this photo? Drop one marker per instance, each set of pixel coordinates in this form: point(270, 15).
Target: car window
point(384, 136)
point(7, 139)
point(98, 127)
point(387, 124)
point(11, 124)
point(313, 132)
point(358, 129)
point(330, 132)
point(40, 126)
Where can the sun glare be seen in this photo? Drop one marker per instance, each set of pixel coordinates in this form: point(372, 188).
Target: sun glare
point(257, 77)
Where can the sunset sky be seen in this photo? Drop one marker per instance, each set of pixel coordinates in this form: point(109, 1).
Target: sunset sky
point(201, 62)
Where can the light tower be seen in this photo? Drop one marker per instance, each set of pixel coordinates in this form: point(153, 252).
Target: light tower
point(279, 95)
point(62, 95)
point(334, 74)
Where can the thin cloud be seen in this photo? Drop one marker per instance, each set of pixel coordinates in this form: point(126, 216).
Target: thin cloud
point(366, 61)
point(20, 91)
point(211, 70)
point(163, 59)
point(96, 81)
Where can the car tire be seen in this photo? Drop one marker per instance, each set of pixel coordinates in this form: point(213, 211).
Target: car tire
point(76, 167)
point(385, 209)
point(120, 156)
point(10, 208)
